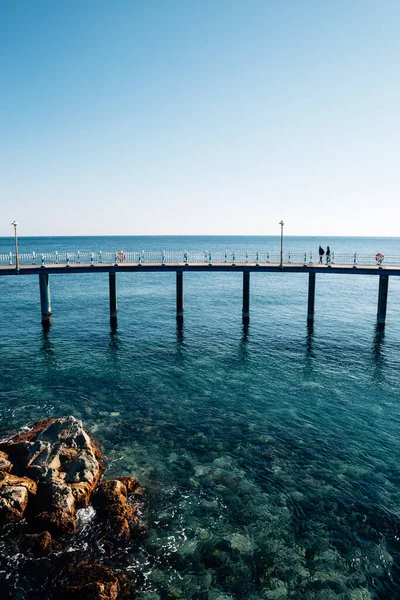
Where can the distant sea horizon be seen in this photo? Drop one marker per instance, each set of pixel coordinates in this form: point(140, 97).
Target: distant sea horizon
point(205, 235)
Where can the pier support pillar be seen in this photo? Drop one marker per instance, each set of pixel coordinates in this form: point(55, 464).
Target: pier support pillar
point(311, 297)
point(179, 295)
point(382, 298)
point(44, 286)
point(112, 281)
point(246, 297)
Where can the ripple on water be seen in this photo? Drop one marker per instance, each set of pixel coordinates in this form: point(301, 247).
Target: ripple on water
point(269, 453)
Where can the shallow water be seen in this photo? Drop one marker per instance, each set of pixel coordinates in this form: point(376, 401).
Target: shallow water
point(270, 453)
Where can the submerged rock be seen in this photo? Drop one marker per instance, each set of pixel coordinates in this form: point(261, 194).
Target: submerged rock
point(241, 543)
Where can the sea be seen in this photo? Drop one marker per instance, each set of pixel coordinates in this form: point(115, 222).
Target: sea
point(269, 452)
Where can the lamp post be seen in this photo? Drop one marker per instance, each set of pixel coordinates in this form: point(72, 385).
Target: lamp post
point(281, 224)
point(16, 244)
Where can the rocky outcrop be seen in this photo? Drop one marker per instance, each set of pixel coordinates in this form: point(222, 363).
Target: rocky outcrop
point(61, 469)
point(46, 474)
point(62, 464)
point(58, 448)
point(111, 503)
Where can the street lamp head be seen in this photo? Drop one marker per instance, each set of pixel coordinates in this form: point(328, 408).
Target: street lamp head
point(281, 223)
point(15, 223)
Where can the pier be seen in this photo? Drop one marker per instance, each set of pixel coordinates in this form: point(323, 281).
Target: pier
point(179, 263)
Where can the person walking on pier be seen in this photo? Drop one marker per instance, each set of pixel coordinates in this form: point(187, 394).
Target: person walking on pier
point(321, 252)
point(328, 255)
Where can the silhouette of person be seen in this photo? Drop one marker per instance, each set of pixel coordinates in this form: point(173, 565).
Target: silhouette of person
point(321, 252)
point(328, 254)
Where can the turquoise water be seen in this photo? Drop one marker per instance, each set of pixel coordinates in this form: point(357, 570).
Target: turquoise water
point(270, 453)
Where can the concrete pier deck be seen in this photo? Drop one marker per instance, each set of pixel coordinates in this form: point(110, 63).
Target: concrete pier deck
point(202, 267)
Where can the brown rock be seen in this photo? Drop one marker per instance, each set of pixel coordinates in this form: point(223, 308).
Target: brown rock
point(59, 495)
point(38, 542)
point(92, 591)
point(95, 582)
point(27, 436)
point(131, 484)
point(81, 493)
point(61, 445)
point(56, 522)
point(9, 480)
point(14, 495)
point(54, 505)
point(63, 467)
point(5, 464)
point(111, 503)
point(13, 502)
point(60, 456)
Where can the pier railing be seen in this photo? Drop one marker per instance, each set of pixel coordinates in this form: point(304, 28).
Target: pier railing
point(206, 257)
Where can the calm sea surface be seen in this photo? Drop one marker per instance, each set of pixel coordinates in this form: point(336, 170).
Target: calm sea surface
point(270, 453)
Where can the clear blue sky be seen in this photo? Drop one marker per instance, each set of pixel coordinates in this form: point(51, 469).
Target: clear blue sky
point(200, 117)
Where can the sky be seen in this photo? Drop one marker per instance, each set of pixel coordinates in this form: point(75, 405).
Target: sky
point(179, 117)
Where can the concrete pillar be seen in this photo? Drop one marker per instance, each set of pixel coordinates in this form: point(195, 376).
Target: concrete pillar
point(44, 286)
point(179, 295)
point(311, 297)
point(382, 298)
point(112, 280)
point(246, 297)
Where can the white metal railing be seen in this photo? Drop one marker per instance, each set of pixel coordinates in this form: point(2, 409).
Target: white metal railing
point(206, 257)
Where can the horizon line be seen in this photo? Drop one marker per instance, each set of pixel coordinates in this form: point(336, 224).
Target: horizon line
point(260, 235)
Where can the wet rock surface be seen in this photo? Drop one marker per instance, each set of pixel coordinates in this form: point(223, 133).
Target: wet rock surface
point(95, 582)
point(51, 474)
point(5, 464)
point(111, 502)
point(14, 495)
point(38, 543)
point(60, 467)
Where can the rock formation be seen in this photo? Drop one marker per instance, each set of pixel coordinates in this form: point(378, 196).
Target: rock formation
point(95, 582)
point(61, 469)
point(14, 494)
point(49, 472)
point(111, 502)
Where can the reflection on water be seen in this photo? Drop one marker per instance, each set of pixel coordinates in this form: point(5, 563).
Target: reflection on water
point(309, 340)
point(244, 349)
point(378, 344)
point(378, 352)
point(113, 343)
point(113, 325)
point(47, 346)
point(47, 350)
point(310, 354)
point(180, 338)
